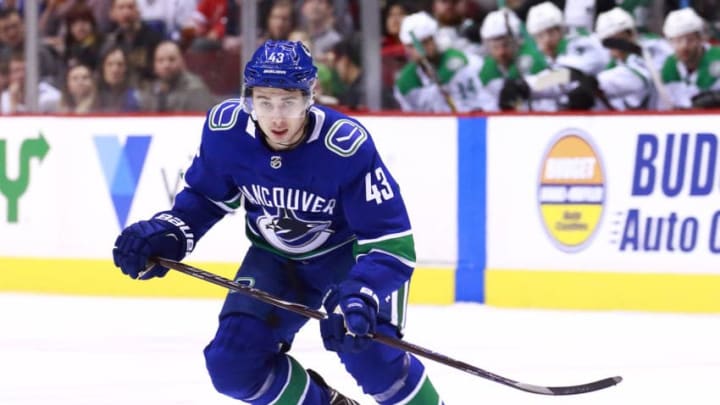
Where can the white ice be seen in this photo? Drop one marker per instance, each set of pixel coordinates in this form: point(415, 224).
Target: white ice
point(78, 350)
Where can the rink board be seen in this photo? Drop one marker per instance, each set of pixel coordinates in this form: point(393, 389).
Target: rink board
point(73, 183)
point(604, 212)
point(601, 212)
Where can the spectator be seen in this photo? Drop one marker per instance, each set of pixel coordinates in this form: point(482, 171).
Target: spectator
point(16, 4)
point(435, 81)
point(450, 15)
point(393, 16)
point(168, 17)
point(4, 75)
point(175, 89)
point(280, 21)
point(318, 20)
point(327, 83)
point(210, 23)
point(79, 95)
point(51, 20)
point(344, 60)
point(55, 11)
point(12, 37)
point(692, 75)
point(116, 92)
point(12, 100)
point(82, 40)
point(134, 36)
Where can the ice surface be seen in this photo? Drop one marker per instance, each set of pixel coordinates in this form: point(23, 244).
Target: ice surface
point(86, 350)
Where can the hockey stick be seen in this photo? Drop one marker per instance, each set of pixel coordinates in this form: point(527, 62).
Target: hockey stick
point(386, 340)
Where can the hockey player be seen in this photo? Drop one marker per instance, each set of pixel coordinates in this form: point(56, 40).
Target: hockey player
point(562, 49)
point(628, 84)
point(328, 227)
point(434, 81)
point(508, 61)
point(692, 74)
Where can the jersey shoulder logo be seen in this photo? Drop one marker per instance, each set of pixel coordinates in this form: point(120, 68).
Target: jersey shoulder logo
point(345, 137)
point(224, 116)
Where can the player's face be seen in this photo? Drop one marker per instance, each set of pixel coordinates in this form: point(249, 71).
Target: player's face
point(281, 115)
point(430, 47)
point(502, 49)
point(688, 47)
point(548, 40)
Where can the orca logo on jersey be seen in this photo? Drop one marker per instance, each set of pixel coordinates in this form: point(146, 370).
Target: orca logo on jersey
point(290, 234)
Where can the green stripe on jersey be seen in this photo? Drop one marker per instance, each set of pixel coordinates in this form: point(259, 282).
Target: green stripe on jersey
point(426, 395)
point(451, 61)
point(408, 79)
point(294, 391)
point(402, 247)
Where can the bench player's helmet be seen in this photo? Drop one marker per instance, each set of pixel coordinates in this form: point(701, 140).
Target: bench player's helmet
point(682, 22)
point(612, 22)
point(542, 17)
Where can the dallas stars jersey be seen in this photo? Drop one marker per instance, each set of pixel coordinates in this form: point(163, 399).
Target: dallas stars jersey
point(331, 190)
point(683, 85)
point(492, 75)
point(628, 85)
point(457, 73)
point(582, 52)
point(657, 48)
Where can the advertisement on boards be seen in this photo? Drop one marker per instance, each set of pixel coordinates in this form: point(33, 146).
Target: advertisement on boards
point(600, 200)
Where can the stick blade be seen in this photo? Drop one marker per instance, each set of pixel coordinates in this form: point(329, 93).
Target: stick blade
point(571, 389)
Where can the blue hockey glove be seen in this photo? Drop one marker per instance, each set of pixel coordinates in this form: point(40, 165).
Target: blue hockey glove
point(165, 235)
point(352, 316)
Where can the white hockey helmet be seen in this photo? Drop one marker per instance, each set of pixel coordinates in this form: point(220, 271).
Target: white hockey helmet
point(421, 24)
point(611, 22)
point(681, 22)
point(543, 16)
point(497, 22)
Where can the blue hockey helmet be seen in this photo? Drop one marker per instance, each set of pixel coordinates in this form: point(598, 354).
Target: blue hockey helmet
point(281, 64)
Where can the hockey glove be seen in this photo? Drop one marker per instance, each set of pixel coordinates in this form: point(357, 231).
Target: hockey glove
point(706, 99)
point(165, 235)
point(351, 317)
point(513, 93)
point(582, 96)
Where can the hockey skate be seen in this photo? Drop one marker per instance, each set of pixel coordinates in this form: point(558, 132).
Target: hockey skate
point(336, 398)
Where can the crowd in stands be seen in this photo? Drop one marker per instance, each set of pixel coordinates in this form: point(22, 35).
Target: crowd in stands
point(158, 56)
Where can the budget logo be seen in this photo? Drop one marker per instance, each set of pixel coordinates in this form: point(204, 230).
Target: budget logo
point(122, 166)
point(571, 190)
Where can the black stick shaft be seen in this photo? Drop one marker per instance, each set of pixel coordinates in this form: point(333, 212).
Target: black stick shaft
point(384, 339)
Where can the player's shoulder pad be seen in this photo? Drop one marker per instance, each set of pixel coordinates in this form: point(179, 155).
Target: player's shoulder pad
point(224, 115)
point(345, 137)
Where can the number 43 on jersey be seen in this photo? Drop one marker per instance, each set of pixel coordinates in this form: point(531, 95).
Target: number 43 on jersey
point(377, 187)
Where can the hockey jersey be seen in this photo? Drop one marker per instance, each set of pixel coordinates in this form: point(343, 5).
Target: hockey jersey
point(331, 190)
point(683, 85)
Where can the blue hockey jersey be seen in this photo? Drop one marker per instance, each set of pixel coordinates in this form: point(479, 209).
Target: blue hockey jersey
point(331, 190)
